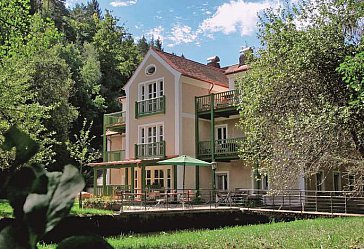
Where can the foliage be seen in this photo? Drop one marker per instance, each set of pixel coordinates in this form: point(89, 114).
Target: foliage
point(294, 106)
point(118, 56)
point(40, 199)
point(18, 106)
point(80, 148)
point(143, 45)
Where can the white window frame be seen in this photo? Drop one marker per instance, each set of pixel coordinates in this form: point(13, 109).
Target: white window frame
point(145, 95)
point(145, 128)
point(227, 173)
point(217, 127)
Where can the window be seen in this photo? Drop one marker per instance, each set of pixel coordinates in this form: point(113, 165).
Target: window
point(151, 134)
point(221, 133)
point(222, 181)
point(319, 181)
point(148, 177)
point(136, 179)
point(151, 98)
point(337, 181)
point(151, 141)
point(150, 90)
point(150, 70)
point(158, 178)
point(169, 178)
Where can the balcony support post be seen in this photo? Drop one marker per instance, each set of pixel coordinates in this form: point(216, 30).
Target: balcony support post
point(143, 178)
point(104, 190)
point(197, 169)
point(132, 178)
point(95, 181)
point(212, 136)
point(175, 177)
point(104, 141)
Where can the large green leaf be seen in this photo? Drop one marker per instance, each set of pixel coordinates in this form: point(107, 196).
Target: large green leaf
point(25, 146)
point(20, 185)
point(70, 183)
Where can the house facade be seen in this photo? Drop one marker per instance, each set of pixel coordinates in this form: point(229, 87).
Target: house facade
point(174, 106)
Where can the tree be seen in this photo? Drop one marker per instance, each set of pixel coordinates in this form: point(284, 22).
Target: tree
point(294, 106)
point(118, 57)
point(142, 46)
point(81, 151)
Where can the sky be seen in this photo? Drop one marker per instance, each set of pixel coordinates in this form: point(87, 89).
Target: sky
point(198, 29)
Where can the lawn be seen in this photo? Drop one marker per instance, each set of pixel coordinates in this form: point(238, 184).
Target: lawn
point(7, 211)
point(318, 233)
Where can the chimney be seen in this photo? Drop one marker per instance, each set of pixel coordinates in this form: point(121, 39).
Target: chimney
point(244, 52)
point(213, 61)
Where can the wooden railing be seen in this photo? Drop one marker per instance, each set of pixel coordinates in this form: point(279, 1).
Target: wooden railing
point(111, 189)
point(114, 118)
point(222, 147)
point(116, 155)
point(150, 106)
point(221, 100)
point(151, 150)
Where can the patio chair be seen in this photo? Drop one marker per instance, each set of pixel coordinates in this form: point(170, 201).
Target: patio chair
point(186, 197)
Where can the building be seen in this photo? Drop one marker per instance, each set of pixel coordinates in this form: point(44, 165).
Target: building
point(175, 106)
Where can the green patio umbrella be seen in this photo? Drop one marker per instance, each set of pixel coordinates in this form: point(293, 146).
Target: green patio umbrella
point(185, 161)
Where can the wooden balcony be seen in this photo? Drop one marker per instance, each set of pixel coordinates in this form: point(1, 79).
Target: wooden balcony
point(151, 150)
point(150, 106)
point(223, 149)
point(115, 121)
point(116, 155)
point(223, 104)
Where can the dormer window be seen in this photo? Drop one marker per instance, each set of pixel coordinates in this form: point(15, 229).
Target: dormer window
point(150, 70)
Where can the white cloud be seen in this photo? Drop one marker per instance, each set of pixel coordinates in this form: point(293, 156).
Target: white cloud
point(156, 33)
point(123, 3)
point(236, 16)
point(181, 34)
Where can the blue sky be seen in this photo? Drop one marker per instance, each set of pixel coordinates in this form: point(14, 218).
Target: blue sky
point(198, 29)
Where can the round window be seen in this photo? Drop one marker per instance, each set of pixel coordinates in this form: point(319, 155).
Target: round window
point(150, 70)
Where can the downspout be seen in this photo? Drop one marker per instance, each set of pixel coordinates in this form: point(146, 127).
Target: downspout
point(213, 85)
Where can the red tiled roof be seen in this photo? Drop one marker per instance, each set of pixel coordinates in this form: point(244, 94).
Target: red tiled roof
point(194, 69)
point(235, 69)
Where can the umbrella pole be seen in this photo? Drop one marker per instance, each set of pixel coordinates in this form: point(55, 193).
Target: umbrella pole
point(183, 186)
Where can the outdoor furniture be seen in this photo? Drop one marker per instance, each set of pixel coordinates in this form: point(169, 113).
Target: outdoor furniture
point(223, 197)
point(186, 197)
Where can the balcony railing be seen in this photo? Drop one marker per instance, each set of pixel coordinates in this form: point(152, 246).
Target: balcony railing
point(151, 150)
point(111, 190)
point(222, 147)
point(221, 100)
point(150, 106)
point(116, 155)
point(115, 118)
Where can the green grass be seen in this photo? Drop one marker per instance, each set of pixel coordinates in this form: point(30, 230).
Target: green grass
point(318, 233)
point(7, 211)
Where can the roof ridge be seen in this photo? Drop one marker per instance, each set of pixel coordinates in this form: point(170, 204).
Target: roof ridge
point(184, 58)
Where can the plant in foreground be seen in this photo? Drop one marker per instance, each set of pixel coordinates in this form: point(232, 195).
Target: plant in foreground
point(40, 199)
